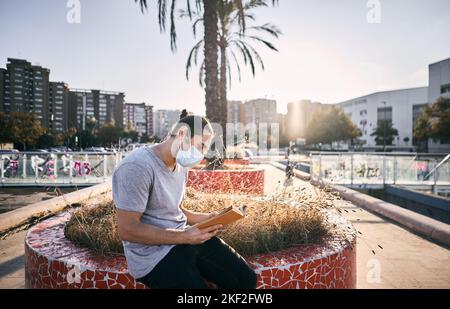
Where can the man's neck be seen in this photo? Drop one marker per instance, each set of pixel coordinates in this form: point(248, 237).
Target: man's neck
point(163, 151)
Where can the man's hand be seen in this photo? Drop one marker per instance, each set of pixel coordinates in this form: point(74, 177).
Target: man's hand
point(195, 236)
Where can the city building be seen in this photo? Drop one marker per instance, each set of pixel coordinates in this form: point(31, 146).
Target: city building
point(2, 88)
point(25, 88)
point(282, 129)
point(139, 117)
point(260, 111)
point(163, 120)
point(299, 115)
point(235, 112)
point(402, 107)
point(86, 105)
point(439, 80)
point(149, 120)
point(58, 107)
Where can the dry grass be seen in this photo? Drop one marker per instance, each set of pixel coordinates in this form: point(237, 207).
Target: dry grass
point(289, 217)
point(95, 227)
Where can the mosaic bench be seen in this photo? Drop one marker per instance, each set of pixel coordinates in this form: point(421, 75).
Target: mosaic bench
point(53, 261)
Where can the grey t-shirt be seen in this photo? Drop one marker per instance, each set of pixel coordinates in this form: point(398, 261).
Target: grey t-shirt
point(143, 183)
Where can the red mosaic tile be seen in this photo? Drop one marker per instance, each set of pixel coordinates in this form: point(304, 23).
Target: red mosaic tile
point(246, 181)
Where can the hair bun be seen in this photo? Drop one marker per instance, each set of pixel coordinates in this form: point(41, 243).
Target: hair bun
point(184, 114)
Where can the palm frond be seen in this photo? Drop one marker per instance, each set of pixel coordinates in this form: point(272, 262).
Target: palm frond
point(238, 67)
point(239, 47)
point(268, 44)
point(142, 4)
point(193, 54)
point(252, 4)
point(232, 18)
point(229, 73)
point(256, 54)
point(194, 25)
point(162, 17)
point(268, 28)
point(173, 33)
point(248, 54)
point(162, 7)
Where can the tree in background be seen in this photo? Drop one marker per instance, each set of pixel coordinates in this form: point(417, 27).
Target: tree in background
point(47, 140)
point(330, 125)
point(86, 139)
point(130, 133)
point(434, 122)
point(144, 138)
point(109, 135)
point(68, 138)
point(24, 128)
point(5, 137)
point(384, 133)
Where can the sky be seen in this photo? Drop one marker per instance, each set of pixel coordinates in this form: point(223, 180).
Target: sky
point(329, 51)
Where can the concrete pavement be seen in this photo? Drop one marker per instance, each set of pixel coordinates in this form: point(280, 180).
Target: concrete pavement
point(406, 260)
point(12, 260)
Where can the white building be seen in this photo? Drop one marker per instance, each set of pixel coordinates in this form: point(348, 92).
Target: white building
point(163, 120)
point(439, 80)
point(402, 107)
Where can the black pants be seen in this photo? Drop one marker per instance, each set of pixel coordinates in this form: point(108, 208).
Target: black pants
point(187, 266)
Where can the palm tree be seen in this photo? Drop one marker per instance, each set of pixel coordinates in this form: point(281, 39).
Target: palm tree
point(232, 41)
point(210, 48)
point(214, 111)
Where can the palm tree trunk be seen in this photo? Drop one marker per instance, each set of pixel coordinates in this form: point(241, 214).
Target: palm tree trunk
point(223, 82)
point(214, 108)
point(210, 20)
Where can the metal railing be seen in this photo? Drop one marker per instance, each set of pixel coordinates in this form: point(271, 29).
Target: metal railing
point(378, 169)
point(56, 168)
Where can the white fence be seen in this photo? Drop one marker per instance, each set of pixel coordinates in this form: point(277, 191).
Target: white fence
point(46, 168)
point(356, 169)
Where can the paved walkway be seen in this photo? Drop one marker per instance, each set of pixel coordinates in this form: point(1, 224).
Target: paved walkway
point(406, 260)
point(13, 198)
point(12, 261)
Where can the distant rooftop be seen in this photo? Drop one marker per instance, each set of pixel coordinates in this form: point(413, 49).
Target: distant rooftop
point(380, 92)
point(80, 90)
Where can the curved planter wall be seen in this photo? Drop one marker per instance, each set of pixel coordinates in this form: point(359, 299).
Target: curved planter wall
point(52, 261)
point(245, 181)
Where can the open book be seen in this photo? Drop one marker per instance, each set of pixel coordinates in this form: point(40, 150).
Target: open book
point(227, 216)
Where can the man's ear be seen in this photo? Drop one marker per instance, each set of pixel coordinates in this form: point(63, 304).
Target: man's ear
point(183, 135)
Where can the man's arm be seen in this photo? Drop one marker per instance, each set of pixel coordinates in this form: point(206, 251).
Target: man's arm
point(132, 229)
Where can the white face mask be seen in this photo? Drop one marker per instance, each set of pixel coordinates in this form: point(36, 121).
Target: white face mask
point(190, 157)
